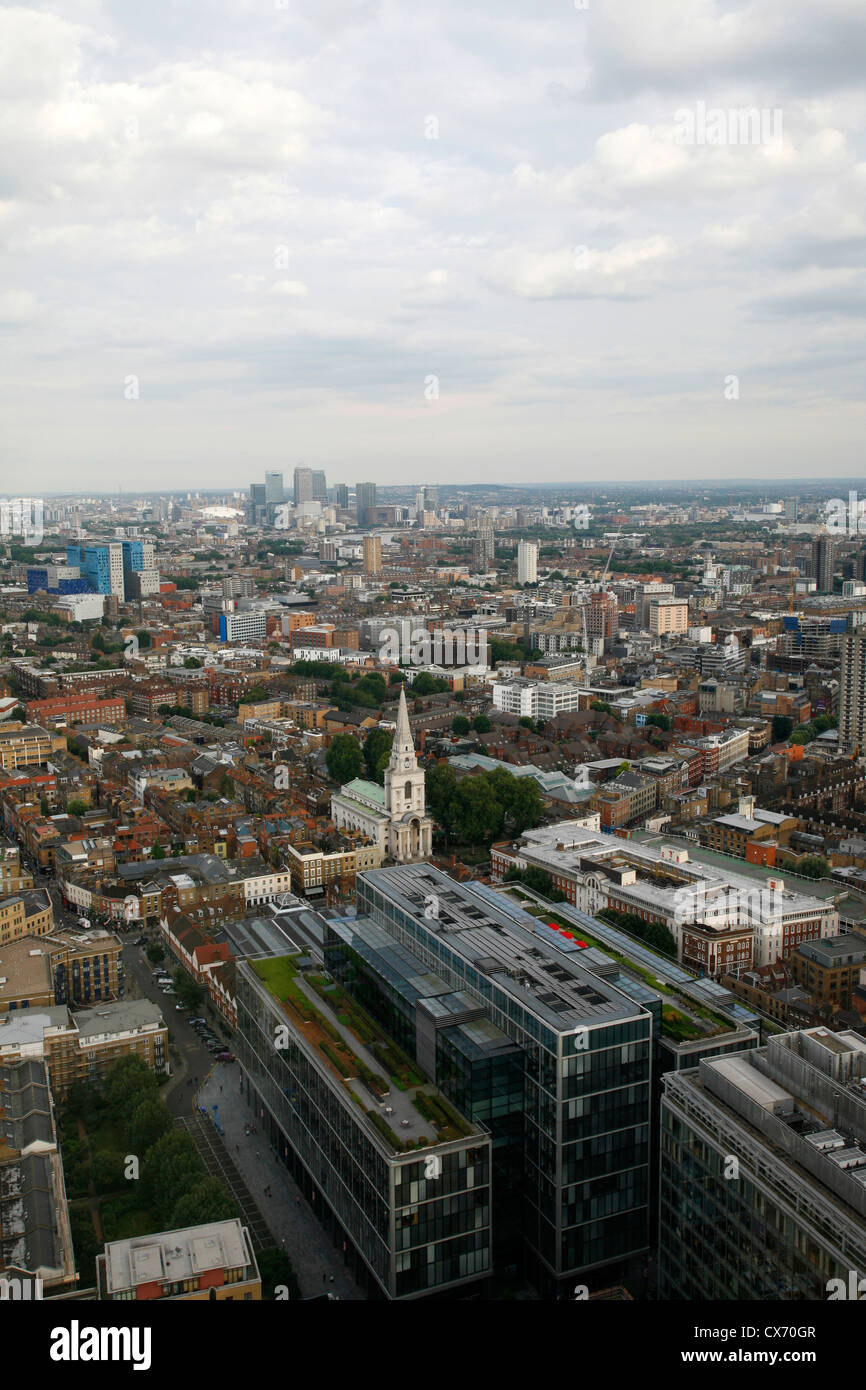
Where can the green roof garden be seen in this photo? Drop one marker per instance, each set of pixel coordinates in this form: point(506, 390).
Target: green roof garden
point(406, 1112)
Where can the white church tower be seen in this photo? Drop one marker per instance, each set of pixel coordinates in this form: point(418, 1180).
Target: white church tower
point(411, 830)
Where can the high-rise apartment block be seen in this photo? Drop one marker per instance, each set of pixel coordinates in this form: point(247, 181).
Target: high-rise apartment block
point(527, 562)
point(483, 547)
point(372, 554)
point(852, 694)
point(823, 563)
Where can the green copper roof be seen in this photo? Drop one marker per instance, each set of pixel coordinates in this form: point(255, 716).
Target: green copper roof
point(371, 790)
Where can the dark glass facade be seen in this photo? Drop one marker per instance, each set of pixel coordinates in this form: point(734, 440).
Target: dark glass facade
point(572, 1133)
point(416, 1230)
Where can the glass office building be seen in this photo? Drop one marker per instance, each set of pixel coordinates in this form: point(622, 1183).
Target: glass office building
point(556, 1060)
point(411, 1208)
point(763, 1172)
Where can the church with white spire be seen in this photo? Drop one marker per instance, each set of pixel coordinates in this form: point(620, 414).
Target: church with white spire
point(394, 816)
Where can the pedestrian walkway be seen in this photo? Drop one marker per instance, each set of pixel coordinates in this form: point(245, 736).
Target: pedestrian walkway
point(288, 1214)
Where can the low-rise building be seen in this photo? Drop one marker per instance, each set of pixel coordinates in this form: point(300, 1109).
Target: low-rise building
point(82, 1046)
point(215, 1260)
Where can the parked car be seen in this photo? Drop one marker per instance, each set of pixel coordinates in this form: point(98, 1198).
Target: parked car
point(196, 1021)
point(182, 1008)
point(225, 1057)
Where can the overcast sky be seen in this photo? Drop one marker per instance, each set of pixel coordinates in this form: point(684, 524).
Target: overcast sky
point(283, 223)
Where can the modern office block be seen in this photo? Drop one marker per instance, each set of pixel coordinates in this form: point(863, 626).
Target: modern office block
point(365, 501)
point(553, 1059)
point(763, 1171)
point(303, 485)
point(401, 1181)
point(275, 492)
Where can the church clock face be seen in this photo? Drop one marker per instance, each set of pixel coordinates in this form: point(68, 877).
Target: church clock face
point(407, 762)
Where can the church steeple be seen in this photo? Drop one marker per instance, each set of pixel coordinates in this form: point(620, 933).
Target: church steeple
point(403, 747)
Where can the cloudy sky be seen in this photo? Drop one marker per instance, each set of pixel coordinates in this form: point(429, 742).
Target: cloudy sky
point(439, 241)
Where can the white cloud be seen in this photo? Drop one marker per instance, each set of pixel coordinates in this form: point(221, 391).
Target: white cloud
point(241, 206)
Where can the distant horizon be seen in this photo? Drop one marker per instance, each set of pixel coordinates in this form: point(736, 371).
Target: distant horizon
point(751, 484)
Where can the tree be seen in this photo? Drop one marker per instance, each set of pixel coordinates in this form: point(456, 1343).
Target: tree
point(481, 724)
point(425, 684)
point(154, 953)
point(660, 721)
point(128, 1082)
point(19, 714)
point(206, 1201)
point(189, 991)
point(148, 1122)
point(276, 1272)
point(814, 866)
point(344, 758)
point(76, 808)
point(227, 786)
point(191, 663)
point(377, 745)
point(804, 734)
point(157, 851)
point(172, 1168)
point(782, 727)
point(106, 1169)
point(143, 638)
point(460, 724)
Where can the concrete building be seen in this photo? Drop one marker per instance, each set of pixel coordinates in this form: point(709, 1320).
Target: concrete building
point(668, 616)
